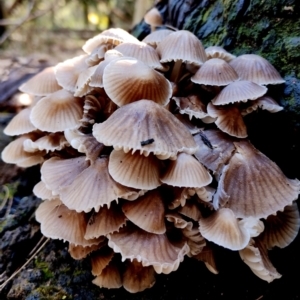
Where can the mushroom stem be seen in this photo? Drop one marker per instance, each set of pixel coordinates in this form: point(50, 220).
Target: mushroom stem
point(175, 74)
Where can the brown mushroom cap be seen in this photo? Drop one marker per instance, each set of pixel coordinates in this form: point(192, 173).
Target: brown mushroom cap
point(58, 222)
point(126, 80)
point(137, 278)
point(145, 126)
point(67, 72)
point(256, 257)
point(14, 152)
point(143, 52)
point(257, 69)
point(281, 229)
point(216, 72)
point(92, 188)
point(223, 228)
point(149, 249)
point(135, 170)
point(253, 186)
point(42, 84)
point(218, 52)
point(20, 123)
point(239, 91)
point(147, 212)
point(57, 112)
point(155, 37)
point(228, 119)
point(114, 36)
point(182, 45)
point(107, 220)
point(186, 171)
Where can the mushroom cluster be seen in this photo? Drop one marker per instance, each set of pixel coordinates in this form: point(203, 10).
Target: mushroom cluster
point(144, 157)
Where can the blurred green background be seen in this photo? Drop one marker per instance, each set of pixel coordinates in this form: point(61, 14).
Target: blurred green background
point(58, 28)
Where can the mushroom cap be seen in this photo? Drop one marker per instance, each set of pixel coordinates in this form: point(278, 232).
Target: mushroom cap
point(150, 249)
point(106, 220)
point(239, 91)
point(135, 170)
point(42, 84)
point(114, 36)
point(84, 143)
point(57, 173)
point(58, 222)
point(137, 278)
point(20, 123)
point(57, 112)
point(97, 77)
point(155, 37)
point(182, 45)
point(223, 228)
point(218, 52)
point(256, 257)
point(281, 229)
point(216, 72)
point(80, 252)
point(147, 212)
point(186, 171)
point(68, 71)
point(82, 86)
point(229, 119)
point(257, 69)
point(143, 52)
point(14, 153)
point(51, 142)
point(144, 121)
point(251, 185)
point(126, 80)
point(110, 277)
point(265, 103)
point(101, 259)
point(92, 188)
point(41, 191)
point(153, 17)
point(192, 106)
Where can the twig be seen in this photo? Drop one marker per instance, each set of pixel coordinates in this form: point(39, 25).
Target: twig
point(20, 23)
point(2, 286)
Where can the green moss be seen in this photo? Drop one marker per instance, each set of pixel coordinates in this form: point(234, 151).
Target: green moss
point(45, 268)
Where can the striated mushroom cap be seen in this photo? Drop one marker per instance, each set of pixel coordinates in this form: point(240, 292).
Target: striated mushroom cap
point(137, 278)
point(57, 112)
point(20, 123)
point(216, 72)
point(281, 229)
point(135, 170)
point(42, 84)
point(145, 126)
point(114, 36)
point(239, 91)
point(223, 228)
point(186, 171)
point(143, 82)
point(228, 119)
point(256, 257)
point(58, 222)
point(147, 212)
point(182, 45)
point(257, 69)
point(218, 52)
point(251, 185)
point(150, 249)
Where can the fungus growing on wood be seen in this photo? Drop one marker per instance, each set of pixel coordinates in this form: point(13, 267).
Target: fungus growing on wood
point(122, 165)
